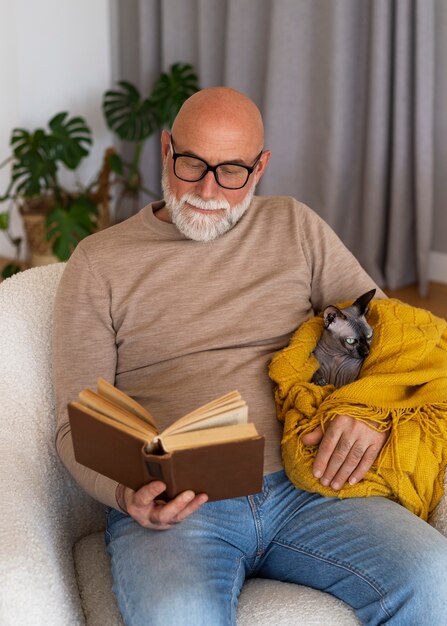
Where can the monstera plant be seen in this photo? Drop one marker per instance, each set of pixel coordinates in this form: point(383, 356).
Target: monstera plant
point(56, 217)
point(64, 216)
point(134, 118)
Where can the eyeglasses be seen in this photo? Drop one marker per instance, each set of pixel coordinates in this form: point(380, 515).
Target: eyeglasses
point(228, 175)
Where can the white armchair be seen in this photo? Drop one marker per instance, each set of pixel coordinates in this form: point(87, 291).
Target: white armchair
point(54, 569)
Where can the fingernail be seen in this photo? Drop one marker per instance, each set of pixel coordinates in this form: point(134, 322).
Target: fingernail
point(188, 496)
point(318, 473)
point(335, 486)
point(325, 482)
point(352, 480)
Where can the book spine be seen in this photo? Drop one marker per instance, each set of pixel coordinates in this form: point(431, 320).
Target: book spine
point(159, 467)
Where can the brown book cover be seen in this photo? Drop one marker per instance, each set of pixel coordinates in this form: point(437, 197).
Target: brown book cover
point(222, 469)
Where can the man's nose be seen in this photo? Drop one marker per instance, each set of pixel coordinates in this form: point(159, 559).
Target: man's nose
point(208, 187)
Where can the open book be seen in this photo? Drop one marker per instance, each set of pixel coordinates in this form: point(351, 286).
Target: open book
point(212, 450)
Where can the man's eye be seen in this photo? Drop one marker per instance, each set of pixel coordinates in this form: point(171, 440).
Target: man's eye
point(351, 340)
point(195, 166)
point(228, 170)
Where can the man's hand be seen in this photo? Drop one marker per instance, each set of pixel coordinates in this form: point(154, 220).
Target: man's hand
point(346, 451)
point(144, 508)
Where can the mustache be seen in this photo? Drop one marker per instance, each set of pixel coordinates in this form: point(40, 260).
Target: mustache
point(206, 205)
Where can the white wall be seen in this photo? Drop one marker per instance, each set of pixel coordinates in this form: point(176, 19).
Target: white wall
point(61, 55)
point(55, 55)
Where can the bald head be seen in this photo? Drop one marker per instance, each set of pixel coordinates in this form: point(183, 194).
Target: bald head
point(223, 116)
point(221, 128)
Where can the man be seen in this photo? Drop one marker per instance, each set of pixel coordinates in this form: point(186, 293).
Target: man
point(186, 301)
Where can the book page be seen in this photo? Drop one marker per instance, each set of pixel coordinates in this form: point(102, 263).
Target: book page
point(118, 397)
point(238, 415)
point(91, 399)
point(222, 434)
point(113, 423)
point(230, 405)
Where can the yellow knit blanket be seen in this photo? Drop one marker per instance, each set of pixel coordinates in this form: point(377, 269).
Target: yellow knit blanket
point(402, 387)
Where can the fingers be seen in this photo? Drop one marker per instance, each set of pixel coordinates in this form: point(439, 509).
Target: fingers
point(346, 452)
point(165, 514)
point(356, 475)
point(351, 468)
point(149, 512)
point(147, 494)
point(313, 438)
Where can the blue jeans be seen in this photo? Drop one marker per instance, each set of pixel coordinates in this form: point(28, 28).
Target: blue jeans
point(382, 560)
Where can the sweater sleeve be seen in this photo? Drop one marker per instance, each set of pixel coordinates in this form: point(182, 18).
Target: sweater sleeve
point(336, 275)
point(84, 349)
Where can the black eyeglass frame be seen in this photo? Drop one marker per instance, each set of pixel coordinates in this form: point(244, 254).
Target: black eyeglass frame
point(213, 168)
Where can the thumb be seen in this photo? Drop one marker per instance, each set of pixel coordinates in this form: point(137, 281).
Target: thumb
point(313, 438)
point(148, 493)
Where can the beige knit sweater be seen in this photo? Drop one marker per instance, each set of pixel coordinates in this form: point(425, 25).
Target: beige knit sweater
point(175, 323)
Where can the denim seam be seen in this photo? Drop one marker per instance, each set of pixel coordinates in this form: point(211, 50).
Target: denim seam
point(107, 536)
point(107, 533)
point(261, 497)
point(258, 527)
point(375, 586)
point(234, 594)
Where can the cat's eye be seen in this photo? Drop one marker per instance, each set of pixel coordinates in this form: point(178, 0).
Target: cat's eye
point(369, 335)
point(351, 340)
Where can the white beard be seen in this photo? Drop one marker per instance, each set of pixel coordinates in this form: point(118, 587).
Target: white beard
point(200, 226)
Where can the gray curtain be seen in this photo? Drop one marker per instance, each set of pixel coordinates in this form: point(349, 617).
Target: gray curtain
point(346, 91)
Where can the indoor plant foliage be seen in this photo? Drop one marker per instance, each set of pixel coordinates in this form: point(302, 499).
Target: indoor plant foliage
point(134, 119)
point(35, 186)
point(38, 158)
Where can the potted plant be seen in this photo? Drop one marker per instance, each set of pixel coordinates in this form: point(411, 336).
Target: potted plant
point(134, 119)
point(55, 218)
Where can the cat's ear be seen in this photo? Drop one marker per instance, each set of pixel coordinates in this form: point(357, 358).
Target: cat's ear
point(362, 301)
point(331, 314)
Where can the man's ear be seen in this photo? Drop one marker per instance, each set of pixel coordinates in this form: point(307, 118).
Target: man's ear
point(165, 143)
point(262, 165)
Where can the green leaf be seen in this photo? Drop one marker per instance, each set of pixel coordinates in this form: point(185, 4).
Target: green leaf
point(171, 90)
point(4, 220)
point(116, 164)
point(34, 168)
point(22, 141)
point(128, 114)
point(69, 226)
point(37, 154)
point(69, 139)
point(10, 269)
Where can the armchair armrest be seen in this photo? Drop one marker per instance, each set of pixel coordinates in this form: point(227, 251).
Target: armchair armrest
point(42, 511)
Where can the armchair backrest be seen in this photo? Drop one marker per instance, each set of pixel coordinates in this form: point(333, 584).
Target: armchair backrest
point(28, 460)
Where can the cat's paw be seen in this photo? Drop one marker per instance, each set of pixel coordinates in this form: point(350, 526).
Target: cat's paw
point(319, 379)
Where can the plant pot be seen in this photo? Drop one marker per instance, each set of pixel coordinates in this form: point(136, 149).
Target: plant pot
point(34, 213)
point(34, 224)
